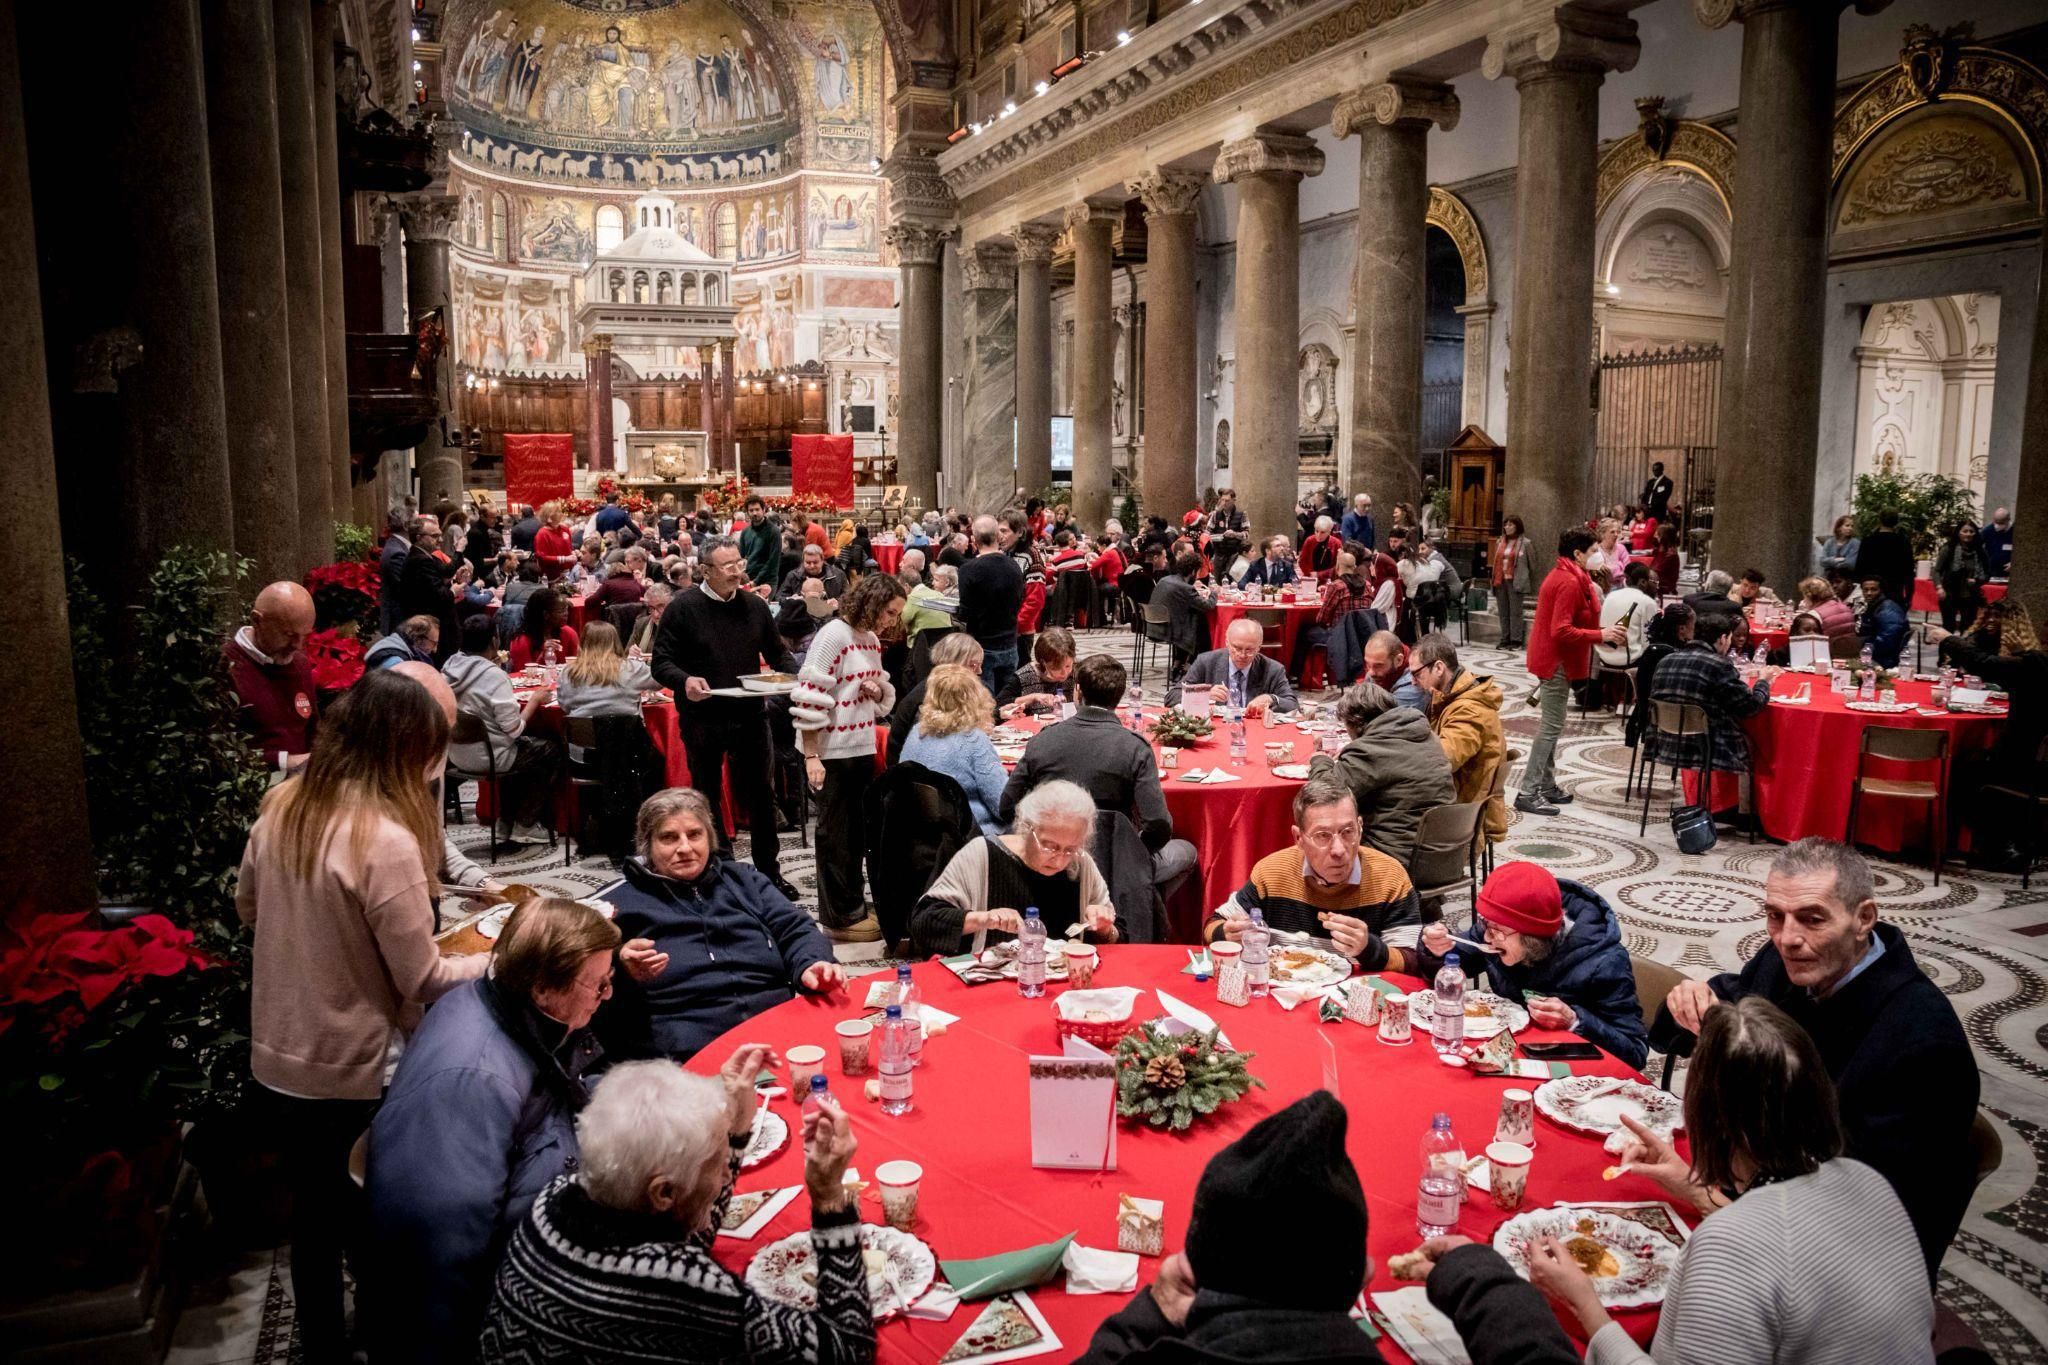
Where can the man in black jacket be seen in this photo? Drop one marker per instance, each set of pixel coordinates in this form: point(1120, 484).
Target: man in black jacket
point(390, 568)
point(524, 530)
point(709, 636)
point(1903, 1071)
point(1887, 556)
point(423, 585)
point(1657, 494)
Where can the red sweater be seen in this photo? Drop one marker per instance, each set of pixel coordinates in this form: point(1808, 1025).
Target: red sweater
point(278, 702)
point(1567, 624)
point(551, 546)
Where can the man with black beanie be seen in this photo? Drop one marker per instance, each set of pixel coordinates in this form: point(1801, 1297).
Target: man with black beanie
point(1242, 1292)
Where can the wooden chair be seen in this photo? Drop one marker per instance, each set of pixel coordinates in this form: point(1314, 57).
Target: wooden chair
point(1682, 721)
point(1445, 857)
point(1272, 624)
point(2034, 797)
point(1655, 981)
point(1904, 744)
point(470, 729)
point(581, 733)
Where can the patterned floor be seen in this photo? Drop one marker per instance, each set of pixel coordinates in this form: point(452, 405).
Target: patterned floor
point(1983, 939)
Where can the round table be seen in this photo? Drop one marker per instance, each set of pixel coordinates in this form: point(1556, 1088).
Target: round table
point(888, 554)
point(1294, 615)
point(1803, 764)
point(579, 610)
point(970, 1131)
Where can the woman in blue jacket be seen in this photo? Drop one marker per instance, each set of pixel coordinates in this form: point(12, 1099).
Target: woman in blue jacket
point(1557, 947)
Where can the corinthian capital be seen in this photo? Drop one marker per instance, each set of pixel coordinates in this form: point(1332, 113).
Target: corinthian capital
point(1167, 194)
point(1274, 154)
point(917, 243)
point(1093, 211)
point(429, 218)
point(1392, 102)
point(1034, 241)
point(989, 265)
point(1567, 39)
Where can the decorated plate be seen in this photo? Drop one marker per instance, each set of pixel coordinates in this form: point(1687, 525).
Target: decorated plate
point(1055, 961)
point(771, 1135)
point(1301, 965)
point(769, 684)
point(900, 1268)
point(493, 924)
point(1976, 708)
point(1878, 708)
point(1296, 771)
point(1486, 1014)
point(1630, 1265)
point(1595, 1104)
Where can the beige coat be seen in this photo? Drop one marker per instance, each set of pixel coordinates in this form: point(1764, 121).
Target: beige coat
point(1467, 723)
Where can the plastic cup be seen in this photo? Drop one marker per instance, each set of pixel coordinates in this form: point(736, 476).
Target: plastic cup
point(804, 1063)
point(1081, 963)
point(899, 1181)
point(1510, 1177)
point(1517, 1122)
point(855, 1037)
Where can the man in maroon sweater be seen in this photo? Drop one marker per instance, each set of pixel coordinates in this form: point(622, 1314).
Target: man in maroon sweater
point(273, 677)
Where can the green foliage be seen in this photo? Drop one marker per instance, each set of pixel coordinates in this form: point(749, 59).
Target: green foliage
point(1201, 1076)
point(1177, 727)
point(1127, 513)
point(352, 543)
point(1929, 506)
point(1440, 507)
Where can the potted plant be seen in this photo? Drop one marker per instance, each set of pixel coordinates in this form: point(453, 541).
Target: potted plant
point(1930, 506)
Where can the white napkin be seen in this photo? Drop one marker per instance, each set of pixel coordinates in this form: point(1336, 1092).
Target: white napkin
point(1219, 775)
point(1418, 1328)
point(1186, 1018)
point(1099, 1272)
point(935, 1304)
point(1290, 996)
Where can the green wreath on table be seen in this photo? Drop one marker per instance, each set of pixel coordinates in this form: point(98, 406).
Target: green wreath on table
point(1177, 727)
point(1171, 1079)
point(1885, 677)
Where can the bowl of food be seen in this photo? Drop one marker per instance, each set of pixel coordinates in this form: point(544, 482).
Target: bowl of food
point(768, 682)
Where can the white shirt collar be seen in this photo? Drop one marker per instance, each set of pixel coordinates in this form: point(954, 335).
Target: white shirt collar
point(706, 586)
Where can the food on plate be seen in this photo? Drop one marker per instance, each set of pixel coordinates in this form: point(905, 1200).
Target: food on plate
point(1478, 1008)
point(875, 1261)
point(1592, 1254)
point(1286, 962)
point(1408, 1265)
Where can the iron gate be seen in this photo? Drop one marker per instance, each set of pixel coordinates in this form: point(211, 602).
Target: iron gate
point(1656, 405)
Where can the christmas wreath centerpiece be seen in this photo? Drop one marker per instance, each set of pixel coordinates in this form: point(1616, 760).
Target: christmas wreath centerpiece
point(1171, 1079)
point(1885, 676)
point(1177, 728)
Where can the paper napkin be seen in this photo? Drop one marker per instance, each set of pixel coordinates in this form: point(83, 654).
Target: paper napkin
point(991, 1275)
point(1099, 1272)
point(1219, 775)
point(1418, 1328)
point(1185, 1018)
point(935, 1304)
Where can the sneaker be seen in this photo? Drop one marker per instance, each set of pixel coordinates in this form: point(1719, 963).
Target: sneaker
point(1531, 803)
point(866, 929)
point(531, 834)
point(1557, 796)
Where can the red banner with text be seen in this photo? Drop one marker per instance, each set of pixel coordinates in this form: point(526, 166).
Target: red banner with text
point(539, 466)
point(822, 465)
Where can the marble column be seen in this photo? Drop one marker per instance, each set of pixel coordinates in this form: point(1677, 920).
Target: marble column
point(427, 223)
point(1557, 64)
point(2030, 509)
point(248, 216)
point(334, 322)
point(987, 472)
point(704, 413)
point(1267, 169)
point(728, 430)
point(1777, 270)
point(597, 389)
point(299, 178)
point(1094, 357)
point(49, 843)
point(1034, 243)
point(1166, 474)
point(1392, 121)
point(921, 384)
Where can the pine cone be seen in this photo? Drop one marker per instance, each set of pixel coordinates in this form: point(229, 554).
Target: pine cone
point(1165, 1073)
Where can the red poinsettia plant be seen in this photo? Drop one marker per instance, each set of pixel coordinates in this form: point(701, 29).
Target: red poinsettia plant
point(337, 659)
point(729, 497)
point(813, 503)
point(344, 596)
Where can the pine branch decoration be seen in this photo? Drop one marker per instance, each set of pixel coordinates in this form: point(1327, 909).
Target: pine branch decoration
point(1171, 1079)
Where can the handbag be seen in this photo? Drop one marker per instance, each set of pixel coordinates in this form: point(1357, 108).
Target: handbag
point(1693, 827)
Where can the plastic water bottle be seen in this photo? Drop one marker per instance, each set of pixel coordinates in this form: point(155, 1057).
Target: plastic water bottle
point(1237, 747)
point(907, 997)
point(1868, 659)
point(1447, 1025)
point(896, 1061)
point(1443, 1180)
point(1031, 955)
point(551, 653)
point(1254, 955)
point(820, 1094)
point(1761, 657)
point(1867, 689)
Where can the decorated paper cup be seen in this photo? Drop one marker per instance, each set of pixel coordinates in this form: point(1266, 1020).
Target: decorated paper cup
point(854, 1039)
point(804, 1063)
point(1510, 1174)
point(1517, 1122)
point(899, 1181)
point(1394, 1026)
point(1223, 950)
point(1081, 962)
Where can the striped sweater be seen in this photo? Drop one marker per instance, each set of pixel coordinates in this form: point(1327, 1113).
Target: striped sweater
point(1280, 890)
point(827, 700)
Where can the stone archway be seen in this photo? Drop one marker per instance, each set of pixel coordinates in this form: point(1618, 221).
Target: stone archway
point(1453, 217)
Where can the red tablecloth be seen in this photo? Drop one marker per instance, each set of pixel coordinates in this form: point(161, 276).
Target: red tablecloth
point(1296, 615)
point(970, 1130)
point(1804, 765)
point(1924, 598)
point(888, 555)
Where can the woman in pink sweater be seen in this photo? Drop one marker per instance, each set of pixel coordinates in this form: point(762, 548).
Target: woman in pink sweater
point(337, 884)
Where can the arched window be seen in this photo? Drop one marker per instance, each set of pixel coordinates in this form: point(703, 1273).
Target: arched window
point(727, 232)
point(639, 286)
point(500, 240)
point(617, 285)
point(690, 288)
point(611, 226)
point(664, 288)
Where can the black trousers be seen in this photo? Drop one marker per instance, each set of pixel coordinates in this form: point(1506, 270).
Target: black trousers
point(745, 741)
point(328, 1212)
point(527, 789)
point(839, 838)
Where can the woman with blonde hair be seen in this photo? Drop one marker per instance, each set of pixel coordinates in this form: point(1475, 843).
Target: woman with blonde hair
point(551, 543)
point(602, 680)
point(1816, 597)
point(337, 884)
point(951, 736)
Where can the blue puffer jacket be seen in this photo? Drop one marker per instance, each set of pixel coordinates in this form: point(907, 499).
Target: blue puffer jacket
point(1589, 970)
point(470, 1133)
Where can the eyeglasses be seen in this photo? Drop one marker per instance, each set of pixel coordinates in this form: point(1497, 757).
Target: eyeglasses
point(1059, 852)
point(601, 988)
point(1332, 838)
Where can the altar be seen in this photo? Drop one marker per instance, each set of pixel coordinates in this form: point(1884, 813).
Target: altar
point(675, 462)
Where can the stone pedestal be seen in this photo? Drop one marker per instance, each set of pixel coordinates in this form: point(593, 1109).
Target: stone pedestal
point(1094, 356)
point(299, 178)
point(1034, 243)
point(1166, 477)
point(248, 216)
point(921, 384)
point(1266, 466)
point(1392, 122)
point(1557, 64)
point(334, 323)
point(597, 391)
point(988, 463)
point(428, 223)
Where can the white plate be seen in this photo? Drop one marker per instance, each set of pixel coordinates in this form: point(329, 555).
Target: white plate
point(1327, 969)
point(1658, 1110)
point(1297, 771)
point(493, 924)
point(1645, 1259)
point(767, 684)
point(1478, 1027)
point(782, 1272)
point(771, 1135)
point(1878, 707)
point(1055, 963)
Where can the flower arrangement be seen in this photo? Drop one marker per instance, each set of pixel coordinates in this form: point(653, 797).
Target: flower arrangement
point(729, 498)
point(1170, 1079)
point(1177, 728)
point(345, 596)
point(337, 659)
point(813, 503)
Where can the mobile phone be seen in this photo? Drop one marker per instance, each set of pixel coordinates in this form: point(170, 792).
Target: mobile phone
point(1561, 1052)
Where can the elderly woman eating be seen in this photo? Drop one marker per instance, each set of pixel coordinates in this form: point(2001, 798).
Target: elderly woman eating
point(614, 1264)
point(989, 883)
point(710, 943)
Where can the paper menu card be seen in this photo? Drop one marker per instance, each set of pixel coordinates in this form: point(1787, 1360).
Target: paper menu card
point(1073, 1109)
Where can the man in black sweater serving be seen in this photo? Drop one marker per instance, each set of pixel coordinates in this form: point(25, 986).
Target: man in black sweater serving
point(709, 636)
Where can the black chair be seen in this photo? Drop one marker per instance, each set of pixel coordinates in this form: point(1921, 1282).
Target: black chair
point(1445, 855)
point(623, 616)
point(920, 665)
point(470, 729)
point(619, 769)
point(1155, 629)
point(1134, 589)
point(2034, 798)
point(1126, 866)
point(915, 820)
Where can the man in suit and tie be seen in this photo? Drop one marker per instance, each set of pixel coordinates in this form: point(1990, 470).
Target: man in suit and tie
point(1238, 675)
point(390, 565)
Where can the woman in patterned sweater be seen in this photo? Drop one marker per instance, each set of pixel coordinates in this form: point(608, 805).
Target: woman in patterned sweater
point(614, 1264)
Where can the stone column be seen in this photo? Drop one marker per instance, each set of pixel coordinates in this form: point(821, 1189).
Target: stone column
point(299, 177)
point(1392, 121)
point(248, 215)
point(597, 387)
point(1777, 268)
point(1557, 64)
point(334, 323)
point(1034, 243)
point(728, 430)
point(1266, 463)
point(1094, 355)
point(921, 384)
point(704, 366)
point(427, 223)
point(1166, 475)
point(987, 472)
point(49, 843)
point(2030, 509)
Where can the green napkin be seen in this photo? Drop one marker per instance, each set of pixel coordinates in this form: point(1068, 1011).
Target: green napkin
point(765, 1080)
point(1383, 986)
point(999, 1274)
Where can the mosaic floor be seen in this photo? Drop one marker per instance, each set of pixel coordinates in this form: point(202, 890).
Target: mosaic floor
point(1983, 939)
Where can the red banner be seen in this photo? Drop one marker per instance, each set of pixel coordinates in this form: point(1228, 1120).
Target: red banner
point(822, 465)
point(539, 466)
